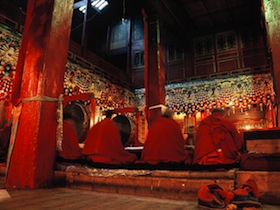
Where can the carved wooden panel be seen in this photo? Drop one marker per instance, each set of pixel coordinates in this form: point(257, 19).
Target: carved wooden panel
point(255, 60)
point(226, 41)
point(203, 46)
point(227, 65)
point(207, 68)
point(175, 71)
point(251, 38)
point(138, 78)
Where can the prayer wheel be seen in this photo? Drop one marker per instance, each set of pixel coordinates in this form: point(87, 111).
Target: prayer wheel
point(80, 113)
point(124, 126)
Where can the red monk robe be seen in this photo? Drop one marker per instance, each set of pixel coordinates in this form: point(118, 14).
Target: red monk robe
point(165, 143)
point(104, 145)
point(70, 142)
point(217, 141)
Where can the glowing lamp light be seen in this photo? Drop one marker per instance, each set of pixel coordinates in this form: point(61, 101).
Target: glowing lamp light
point(247, 127)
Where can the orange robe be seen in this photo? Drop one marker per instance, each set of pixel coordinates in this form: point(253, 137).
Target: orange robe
point(70, 143)
point(104, 145)
point(164, 143)
point(218, 139)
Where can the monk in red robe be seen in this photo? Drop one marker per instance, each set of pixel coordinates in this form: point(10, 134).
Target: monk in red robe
point(217, 141)
point(70, 142)
point(104, 145)
point(165, 142)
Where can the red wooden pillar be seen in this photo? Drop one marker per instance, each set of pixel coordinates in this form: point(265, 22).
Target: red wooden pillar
point(38, 84)
point(154, 72)
point(272, 18)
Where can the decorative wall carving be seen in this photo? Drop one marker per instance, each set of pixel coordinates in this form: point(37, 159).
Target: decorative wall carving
point(232, 92)
point(226, 41)
point(77, 79)
point(203, 46)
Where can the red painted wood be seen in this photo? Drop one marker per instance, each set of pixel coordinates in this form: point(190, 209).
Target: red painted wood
point(154, 66)
point(40, 72)
point(273, 30)
point(82, 96)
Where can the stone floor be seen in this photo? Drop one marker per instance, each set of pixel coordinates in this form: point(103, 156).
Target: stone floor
point(65, 198)
point(68, 198)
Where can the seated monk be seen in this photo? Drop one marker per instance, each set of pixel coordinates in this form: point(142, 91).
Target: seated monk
point(165, 142)
point(217, 141)
point(70, 142)
point(104, 144)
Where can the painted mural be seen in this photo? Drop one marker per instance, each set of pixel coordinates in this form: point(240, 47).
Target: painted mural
point(240, 92)
point(235, 93)
point(77, 79)
point(9, 48)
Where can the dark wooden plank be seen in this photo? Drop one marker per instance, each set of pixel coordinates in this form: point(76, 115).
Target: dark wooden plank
point(72, 199)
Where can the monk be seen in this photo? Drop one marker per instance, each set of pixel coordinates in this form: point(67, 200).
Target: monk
point(217, 141)
point(104, 144)
point(70, 142)
point(165, 142)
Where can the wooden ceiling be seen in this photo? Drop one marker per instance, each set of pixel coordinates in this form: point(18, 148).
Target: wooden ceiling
point(185, 18)
point(190, 18)
point(198, 17)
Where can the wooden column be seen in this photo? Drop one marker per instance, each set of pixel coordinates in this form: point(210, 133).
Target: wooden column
point(38, 84)
point(154, 69)
point(272, 18)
